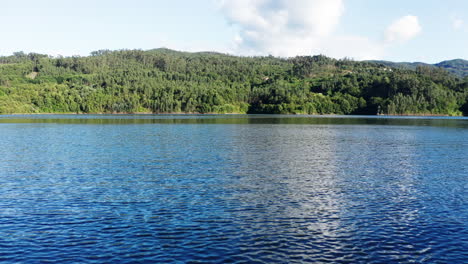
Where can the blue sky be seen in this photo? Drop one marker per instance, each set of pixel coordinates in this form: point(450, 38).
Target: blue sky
point(398, 30)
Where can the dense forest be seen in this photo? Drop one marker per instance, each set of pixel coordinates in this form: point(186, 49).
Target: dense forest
point(166, 81)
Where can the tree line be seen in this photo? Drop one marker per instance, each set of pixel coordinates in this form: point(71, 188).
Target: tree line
point(166, 81)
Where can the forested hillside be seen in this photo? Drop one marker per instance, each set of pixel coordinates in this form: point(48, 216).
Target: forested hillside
point(457, 67)
point(166, 81)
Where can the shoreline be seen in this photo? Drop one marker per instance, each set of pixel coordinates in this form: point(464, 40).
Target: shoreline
point(211, 113)
point(128, 113)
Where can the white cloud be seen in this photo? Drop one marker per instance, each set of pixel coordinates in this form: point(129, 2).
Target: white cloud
point(318, 17)
point(289, 28)
point(293, 27)
point(457, 23)
point(403, 29)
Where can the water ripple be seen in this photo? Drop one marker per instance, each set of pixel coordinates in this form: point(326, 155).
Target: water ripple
point(211, 191)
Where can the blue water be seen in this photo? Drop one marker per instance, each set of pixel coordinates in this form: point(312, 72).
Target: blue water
point(223, 189)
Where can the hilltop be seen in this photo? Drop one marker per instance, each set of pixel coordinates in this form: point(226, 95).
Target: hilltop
point(457, 67)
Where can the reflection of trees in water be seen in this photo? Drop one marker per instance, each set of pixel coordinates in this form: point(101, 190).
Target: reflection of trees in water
point(456, 122)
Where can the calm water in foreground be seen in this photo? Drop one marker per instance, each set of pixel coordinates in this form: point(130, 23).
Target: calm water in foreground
point(221, 189)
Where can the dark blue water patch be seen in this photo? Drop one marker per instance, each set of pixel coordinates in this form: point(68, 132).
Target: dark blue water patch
point(273, 191)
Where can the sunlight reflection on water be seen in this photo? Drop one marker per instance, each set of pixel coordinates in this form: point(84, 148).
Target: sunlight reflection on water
point(235, 189)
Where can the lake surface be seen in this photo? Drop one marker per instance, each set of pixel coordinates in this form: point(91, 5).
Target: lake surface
point(227, 189)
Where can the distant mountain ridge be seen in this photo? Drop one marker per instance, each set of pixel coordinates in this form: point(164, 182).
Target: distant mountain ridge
point(459, 67)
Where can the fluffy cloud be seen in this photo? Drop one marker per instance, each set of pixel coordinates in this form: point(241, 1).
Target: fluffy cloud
point(284, 27)
point(403, 29)
point(305, 27)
